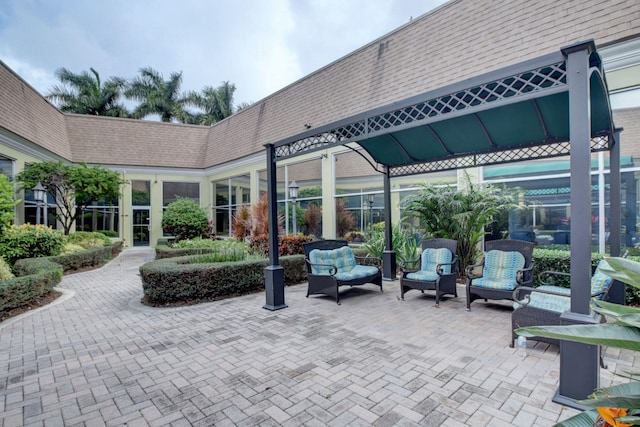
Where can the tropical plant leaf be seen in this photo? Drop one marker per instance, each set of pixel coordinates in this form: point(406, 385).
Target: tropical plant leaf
point(624, 270)
point(607, 334)
point(625, 396)
point(583, 419)
point(615, 310)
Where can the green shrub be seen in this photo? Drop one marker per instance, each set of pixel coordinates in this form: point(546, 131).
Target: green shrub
point(108, 233)
point(287, 245)
point(36, 278)
point(173, 280)
point(88, 257)
point(185, 219)
point(71, 248)
point(88, 239)
point(30, 241)
point(5, 270)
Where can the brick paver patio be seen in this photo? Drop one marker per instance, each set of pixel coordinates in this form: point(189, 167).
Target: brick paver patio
point(99, 357)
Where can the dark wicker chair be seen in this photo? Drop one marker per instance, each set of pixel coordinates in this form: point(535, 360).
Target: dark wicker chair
point(523, 276)
point(327, 277)
point(437, 280)
point(543, 306)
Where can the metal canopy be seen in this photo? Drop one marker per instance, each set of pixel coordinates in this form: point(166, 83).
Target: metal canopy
point(551, 106)
point(517, 113)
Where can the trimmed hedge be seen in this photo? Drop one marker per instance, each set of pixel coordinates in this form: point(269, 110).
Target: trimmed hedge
point(171, 280)
point(87, 258)
point(36, 278)
point(163, 250)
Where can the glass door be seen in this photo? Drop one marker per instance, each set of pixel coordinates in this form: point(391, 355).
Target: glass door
point(141, 227)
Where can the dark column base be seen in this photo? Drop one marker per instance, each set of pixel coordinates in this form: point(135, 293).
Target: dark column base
point(579, 364)
point(274, 287)
point(389, 265)
point(617, 293)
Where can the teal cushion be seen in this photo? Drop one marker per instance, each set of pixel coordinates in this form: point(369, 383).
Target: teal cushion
point(600, 282)
point(424, 276)
point(500, 270)
point(557, 303)
point(501, 284)
point(342, 258)
point(502, 265)
point(357, 272)
point(431, 257)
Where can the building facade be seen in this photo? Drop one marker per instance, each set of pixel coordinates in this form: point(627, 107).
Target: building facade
point(223, 167)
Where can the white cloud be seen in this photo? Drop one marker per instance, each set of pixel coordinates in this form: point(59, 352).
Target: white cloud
point(260, 46)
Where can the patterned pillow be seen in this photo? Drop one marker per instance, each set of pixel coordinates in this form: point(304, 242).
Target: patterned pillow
point(501, 265)
point(342, 258)
point(600, 282)
point(558, 303)
point(431, 257)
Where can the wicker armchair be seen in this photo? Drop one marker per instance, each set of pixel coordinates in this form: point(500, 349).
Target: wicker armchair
point(543, 306)
point(437, 270)
point(331, 264)
point(507, 265)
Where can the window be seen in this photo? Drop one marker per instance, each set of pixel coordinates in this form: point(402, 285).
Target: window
point(172, 191)
point(228, 195)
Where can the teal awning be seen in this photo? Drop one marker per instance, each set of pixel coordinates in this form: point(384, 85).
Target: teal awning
point(518, 113)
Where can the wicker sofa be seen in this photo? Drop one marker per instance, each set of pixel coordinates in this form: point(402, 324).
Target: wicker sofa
point(331, 264)
point(543, 306)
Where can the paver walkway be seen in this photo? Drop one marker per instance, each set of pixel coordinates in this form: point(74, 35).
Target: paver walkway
point(98, 357)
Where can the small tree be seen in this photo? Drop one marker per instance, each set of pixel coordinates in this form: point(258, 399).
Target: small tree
point(7, 202)
point(462, 215)
point(185, 219)
point(73, 187)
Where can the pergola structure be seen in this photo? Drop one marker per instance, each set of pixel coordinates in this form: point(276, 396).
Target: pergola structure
point(554, 105)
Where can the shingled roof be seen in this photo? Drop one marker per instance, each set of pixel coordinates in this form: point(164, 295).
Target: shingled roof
point(455, 41)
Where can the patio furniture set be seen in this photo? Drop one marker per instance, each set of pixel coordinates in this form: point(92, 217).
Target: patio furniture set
point(506, 272)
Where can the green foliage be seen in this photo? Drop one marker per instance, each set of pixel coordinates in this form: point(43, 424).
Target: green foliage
point(88, 239)
point(462, 215)
point(185, 219)
point(74, 187)
point(84, 93)
point(157, 96)
point(5, 270)
point(36, 278)
point(287, 245)
point(7, 202)
point(176, 280)
point(621, 331)
point(217, 104)
point(140, 198)
point(108, 233)
point(71, 248)
point(30, 241)
point(85, 258)
point(404, 244)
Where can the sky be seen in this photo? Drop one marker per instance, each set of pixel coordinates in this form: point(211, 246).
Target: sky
point(260, 46)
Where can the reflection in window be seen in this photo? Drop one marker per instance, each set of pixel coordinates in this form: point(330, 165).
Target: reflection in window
point(172, 191)
point(229, 195)
point(140, 193)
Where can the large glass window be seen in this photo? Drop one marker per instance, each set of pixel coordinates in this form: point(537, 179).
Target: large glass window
point(172, 191)
point(229, 195)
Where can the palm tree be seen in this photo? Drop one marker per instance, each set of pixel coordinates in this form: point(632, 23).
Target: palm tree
point(84, 93)
point(158, 96)
point(217, 103)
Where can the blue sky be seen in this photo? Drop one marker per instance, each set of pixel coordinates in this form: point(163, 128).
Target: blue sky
point(260, 46)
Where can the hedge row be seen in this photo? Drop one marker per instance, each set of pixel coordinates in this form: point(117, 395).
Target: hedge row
point(36, 278)
point(87, 258)
point(171, 280)
point(163, 250)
